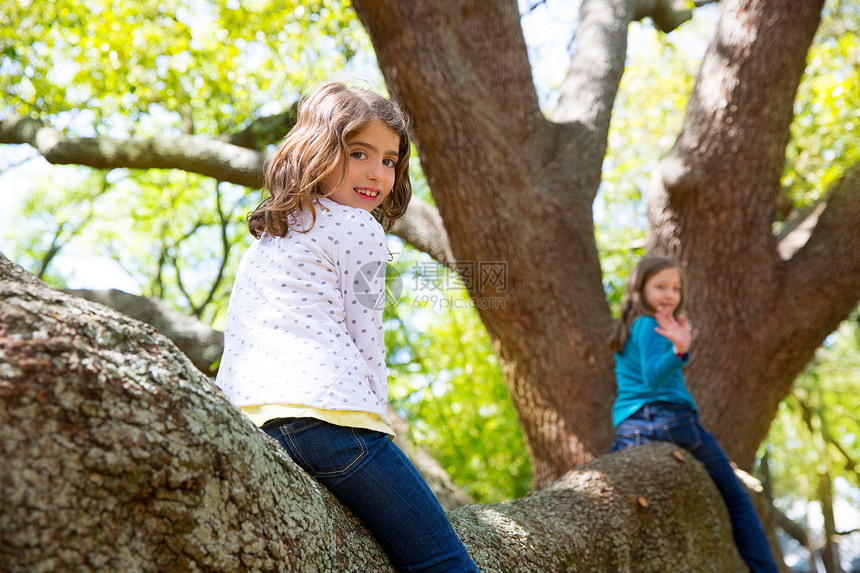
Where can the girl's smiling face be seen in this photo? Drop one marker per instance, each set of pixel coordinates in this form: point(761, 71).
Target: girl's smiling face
point(663, 289)
point(373, 154)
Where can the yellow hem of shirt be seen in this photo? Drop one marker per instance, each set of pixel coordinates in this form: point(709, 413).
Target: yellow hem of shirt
point(262, 413)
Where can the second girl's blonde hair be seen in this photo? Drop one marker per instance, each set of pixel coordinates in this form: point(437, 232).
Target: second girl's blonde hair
point(327, 118)
point(634, 304)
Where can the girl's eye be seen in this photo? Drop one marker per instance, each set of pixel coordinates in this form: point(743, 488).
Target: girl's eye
point(358, 154)
point(389, 162)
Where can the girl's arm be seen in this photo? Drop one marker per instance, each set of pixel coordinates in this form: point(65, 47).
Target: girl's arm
point(361, 254)
point(657, 358)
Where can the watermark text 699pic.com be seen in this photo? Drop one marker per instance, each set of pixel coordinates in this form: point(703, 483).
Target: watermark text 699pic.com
point(432, 284)
point(464, 284)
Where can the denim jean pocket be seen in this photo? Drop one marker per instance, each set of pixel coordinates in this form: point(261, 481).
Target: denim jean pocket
point(323, 449)
point(627, 437)
point(685, 433)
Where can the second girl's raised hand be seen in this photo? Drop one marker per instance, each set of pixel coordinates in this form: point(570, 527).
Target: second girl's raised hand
point(679, 333)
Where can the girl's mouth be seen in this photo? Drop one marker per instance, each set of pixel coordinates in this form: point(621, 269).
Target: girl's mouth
point(371, 193)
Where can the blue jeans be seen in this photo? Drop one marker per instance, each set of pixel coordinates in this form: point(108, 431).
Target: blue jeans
point(676, 423)
point(374, 479)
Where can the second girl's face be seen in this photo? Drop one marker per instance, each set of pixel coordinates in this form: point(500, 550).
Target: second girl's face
point(373, 154)
point(663, 289)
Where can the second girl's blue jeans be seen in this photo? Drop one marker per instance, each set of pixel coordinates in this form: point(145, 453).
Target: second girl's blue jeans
point(375, 479)
point(676, 423)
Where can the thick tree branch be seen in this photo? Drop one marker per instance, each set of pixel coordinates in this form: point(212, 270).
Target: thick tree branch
point(512, 192)
point(502, 65)
point(823, 277)
point(482, 80)
point(421, 226)
point(742, 104)
point(798, 229)
point(712, 205)
point(216, 159)
point(667, 15)
point(203, 345)
point(263, 131)
point(586, 97)
point(587, 93)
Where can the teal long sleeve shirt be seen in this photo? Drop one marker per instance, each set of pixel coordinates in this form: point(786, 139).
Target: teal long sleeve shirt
point(648, 370)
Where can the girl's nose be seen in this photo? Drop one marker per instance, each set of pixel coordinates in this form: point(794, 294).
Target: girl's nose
point(377, 172)
point(373, 171)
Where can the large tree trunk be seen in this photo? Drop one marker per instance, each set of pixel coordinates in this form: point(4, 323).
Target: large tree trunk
point(514, 187)
point(119, 455)
point(713, 207)
point(508, 193)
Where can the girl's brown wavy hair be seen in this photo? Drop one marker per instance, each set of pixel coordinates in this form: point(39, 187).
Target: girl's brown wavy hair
point(327, 118)
point(634, 305)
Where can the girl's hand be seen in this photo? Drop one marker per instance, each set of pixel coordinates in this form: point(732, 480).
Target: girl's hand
point(678, 333)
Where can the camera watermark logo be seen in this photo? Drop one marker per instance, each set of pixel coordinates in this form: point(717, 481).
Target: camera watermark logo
point(367, 283)
point(438, 286)
point(393, 287)
point(465, 284)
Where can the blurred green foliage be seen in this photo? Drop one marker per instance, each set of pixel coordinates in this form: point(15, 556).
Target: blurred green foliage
point(825, 135)
point(153, 65)
point(816, 432)
point(125, 69)
point(445, 379)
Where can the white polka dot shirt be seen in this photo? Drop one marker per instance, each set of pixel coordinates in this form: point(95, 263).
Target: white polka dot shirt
point(304, 321)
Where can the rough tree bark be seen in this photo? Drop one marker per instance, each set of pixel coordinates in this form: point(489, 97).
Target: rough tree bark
point(203, 344)
point(118, 454)
point(514, 186)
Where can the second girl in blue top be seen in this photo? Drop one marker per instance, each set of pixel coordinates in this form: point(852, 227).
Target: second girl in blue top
point(652, 343)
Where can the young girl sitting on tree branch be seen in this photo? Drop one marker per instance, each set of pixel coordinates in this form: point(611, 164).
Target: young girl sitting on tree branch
point(652, 343)
point(304, 352)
